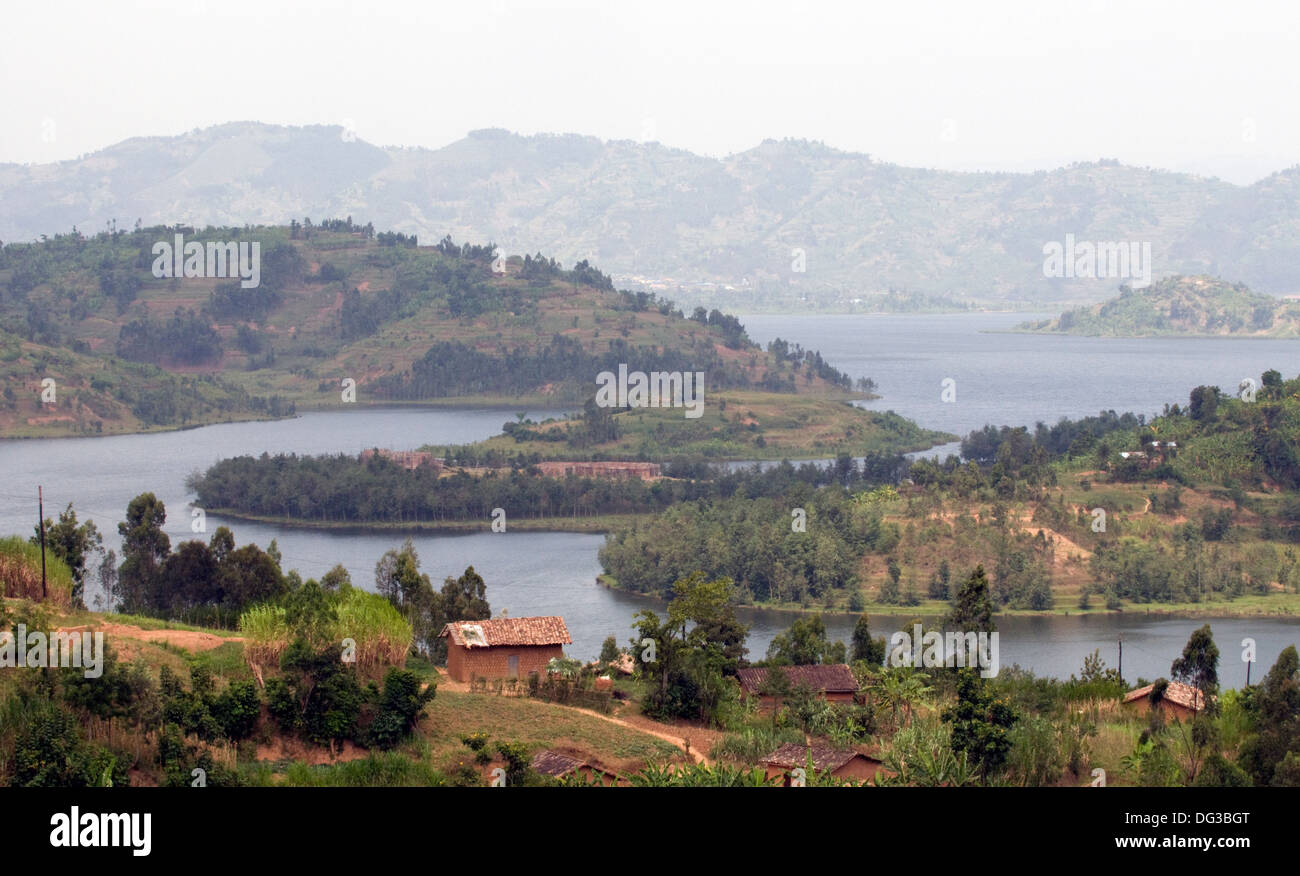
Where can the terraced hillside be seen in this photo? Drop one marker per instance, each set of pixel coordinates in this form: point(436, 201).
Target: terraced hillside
point(340, 315)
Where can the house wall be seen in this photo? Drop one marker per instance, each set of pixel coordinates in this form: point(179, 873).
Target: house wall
point(1169, 708)
point(494, 662)
point(858, 770)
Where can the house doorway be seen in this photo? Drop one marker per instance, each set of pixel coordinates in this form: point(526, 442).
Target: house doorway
point(513, 666)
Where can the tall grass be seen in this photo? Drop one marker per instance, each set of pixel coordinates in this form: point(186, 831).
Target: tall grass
point(382, 636)
point(266, 632)
point(386, 770)
point(20, 572)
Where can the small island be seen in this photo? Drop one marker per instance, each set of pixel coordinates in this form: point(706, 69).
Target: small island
point(1197, 306)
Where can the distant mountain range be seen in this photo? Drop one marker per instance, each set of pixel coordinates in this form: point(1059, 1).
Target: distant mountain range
point(784, 224)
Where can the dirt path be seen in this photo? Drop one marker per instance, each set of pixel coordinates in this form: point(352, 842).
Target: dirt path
point(690, 743)
point(190, 640)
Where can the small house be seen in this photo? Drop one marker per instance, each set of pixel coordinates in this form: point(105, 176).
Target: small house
point(505, 647)
point(1180, 700)
point(834, 681)
point(842, 763)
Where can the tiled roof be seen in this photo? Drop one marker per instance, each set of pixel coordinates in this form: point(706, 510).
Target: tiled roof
point(825, 758)
point(556, 763)
point(508, 631)
point(832, 677)
point(1178, 693)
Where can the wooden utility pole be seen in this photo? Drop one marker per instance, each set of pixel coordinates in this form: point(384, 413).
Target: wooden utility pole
point(40, 504)
point(1121, 657)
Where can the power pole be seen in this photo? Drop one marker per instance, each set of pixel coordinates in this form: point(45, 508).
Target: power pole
point(40, 504)
point(1121, 656)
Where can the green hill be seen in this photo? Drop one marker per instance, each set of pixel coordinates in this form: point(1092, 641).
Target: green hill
point(55, 391)
point(340, 308)
point(1181, 306)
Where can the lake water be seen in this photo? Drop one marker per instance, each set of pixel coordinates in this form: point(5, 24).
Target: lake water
point(1000, 378)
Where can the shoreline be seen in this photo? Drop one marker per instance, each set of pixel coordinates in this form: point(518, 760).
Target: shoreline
point(595, 525)
point(930, 609)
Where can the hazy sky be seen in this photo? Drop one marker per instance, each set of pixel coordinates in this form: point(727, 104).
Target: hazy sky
point(1203, 87)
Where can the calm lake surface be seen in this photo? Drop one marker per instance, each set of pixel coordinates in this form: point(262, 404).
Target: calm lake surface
point(1000, 378)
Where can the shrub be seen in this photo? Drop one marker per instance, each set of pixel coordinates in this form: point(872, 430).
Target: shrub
point(49, 751)
point(400, 708)
point(237, 709)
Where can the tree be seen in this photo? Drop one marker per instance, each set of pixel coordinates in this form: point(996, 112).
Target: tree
point(336, 579)
point(318, 695)
point(1275, 706)
point(1199, 666)
point(609, 651)
point(397, 575)
point(980, 723)
point(249, 575)
point(221, 543)
point(686, 654)
point(191, 577)
point(74, 544)
point(972, 611)
point(805, 643)
point(465, 598)
point(865, 648)
point(144, 549)
point(1204, 403)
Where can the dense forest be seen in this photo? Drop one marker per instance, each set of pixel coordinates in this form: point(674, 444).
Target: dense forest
point(344, 488)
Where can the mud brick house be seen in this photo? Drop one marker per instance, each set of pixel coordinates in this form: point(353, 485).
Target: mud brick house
point(842, 763)
point(407, 459)
point(619, 471)
point(559, 764)
point(834, 681)
point(505, 647)
point(1180, 700)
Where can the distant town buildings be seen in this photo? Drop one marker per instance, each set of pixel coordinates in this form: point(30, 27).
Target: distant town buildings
point(619, 471)
point(407, 459)
point(625, 471)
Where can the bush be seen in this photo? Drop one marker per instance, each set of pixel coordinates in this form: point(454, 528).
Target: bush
point(237, 709)
point(50, 752)
point(400, 708)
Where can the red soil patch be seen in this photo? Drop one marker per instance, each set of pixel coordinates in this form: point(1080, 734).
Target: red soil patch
point(190, 640)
